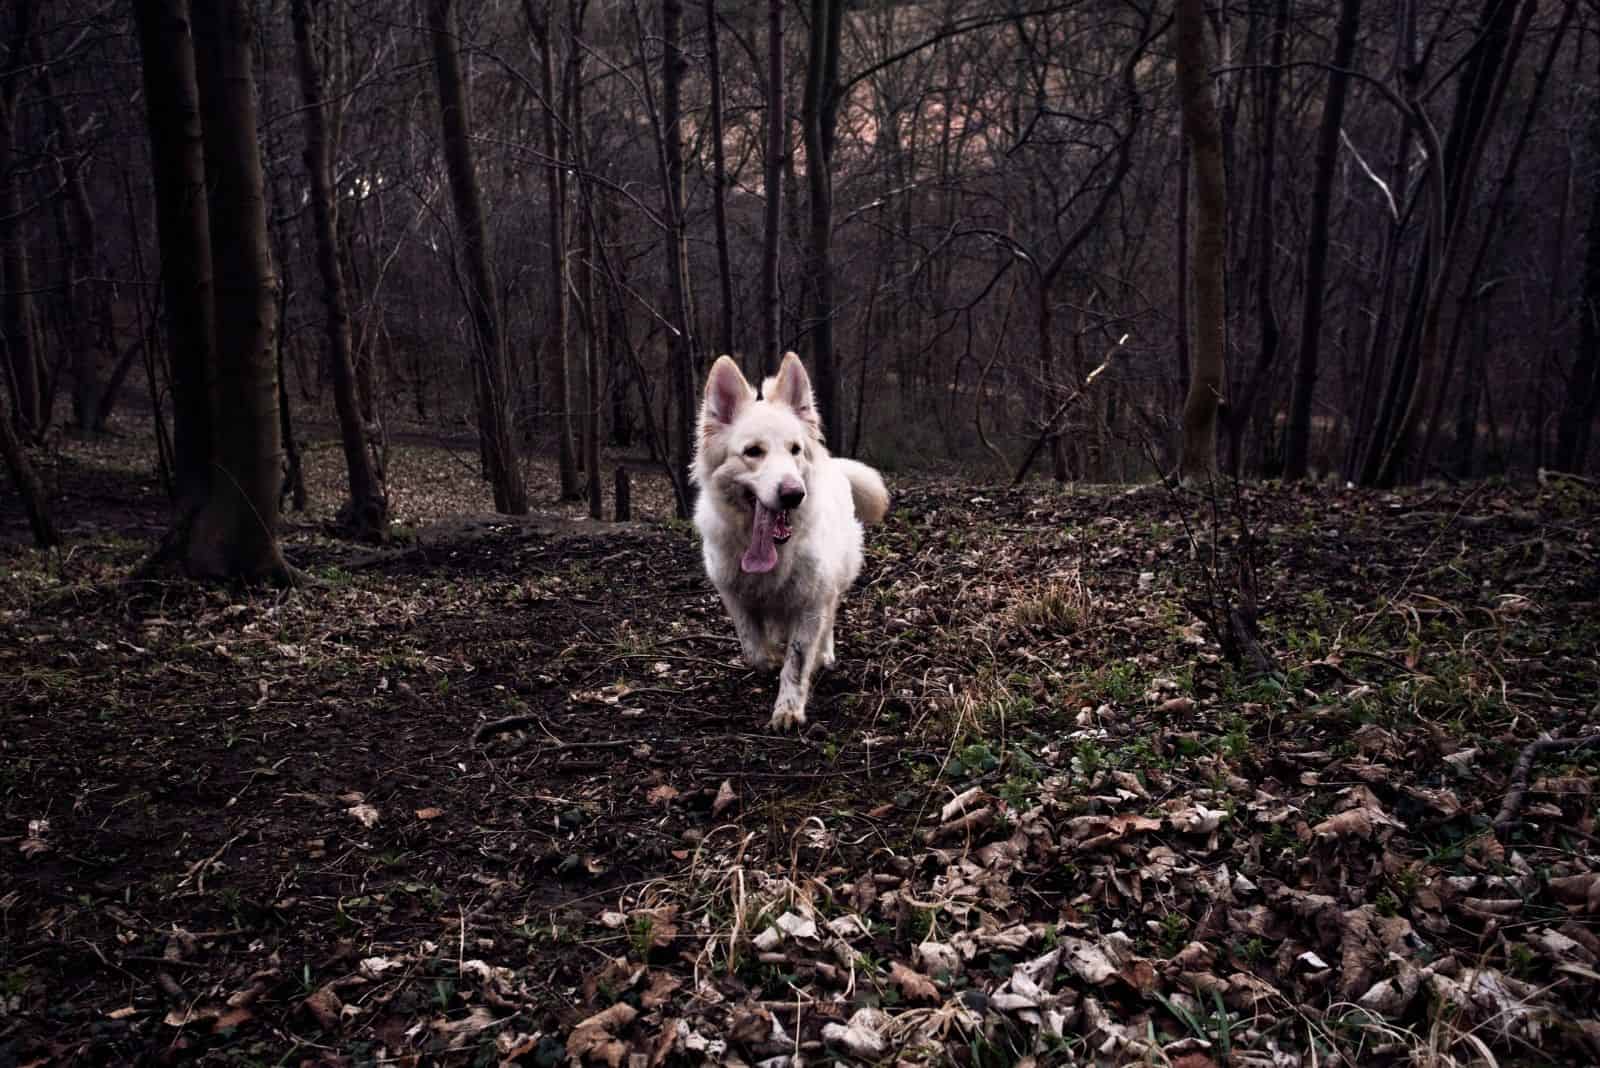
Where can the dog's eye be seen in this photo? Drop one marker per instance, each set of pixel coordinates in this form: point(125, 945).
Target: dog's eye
point(795, 449)
point(755, 452)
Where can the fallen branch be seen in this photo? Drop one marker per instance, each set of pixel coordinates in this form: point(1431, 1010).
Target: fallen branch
point(1518, 790)
point(514, 723)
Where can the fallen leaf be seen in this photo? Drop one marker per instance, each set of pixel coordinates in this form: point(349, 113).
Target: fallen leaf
point(364, 813)
point(324, 1006)
point(914, 986)
point(726, 798)
point(862, 1037)
point(429, 813)
point(596, 1038)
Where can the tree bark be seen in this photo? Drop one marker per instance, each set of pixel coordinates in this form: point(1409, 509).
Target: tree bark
point(489, 356)
point(1575, 428)
point(234, 534)
point(1265, 268)
point(726, 342)
point(559, 365)
point(82, 256)
point(681, 344)
point(172, 101)
point(17, 314)
point(367, 510)
point(1414, 372)
point(1298, 433)
point(34, 501)
point(818, 114)
point(764, 359)
point(1203, 132)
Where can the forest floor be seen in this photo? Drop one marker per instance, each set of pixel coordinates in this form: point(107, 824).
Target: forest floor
point(1038, 816)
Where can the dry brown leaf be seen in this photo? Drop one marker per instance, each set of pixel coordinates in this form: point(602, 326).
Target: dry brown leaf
point(661, 988)
point(914, 986)
point(324, 1006)
point(429, 813)
point(1581, 890)
point(661, 795)
point(1193, 1060)
point(596, 1039)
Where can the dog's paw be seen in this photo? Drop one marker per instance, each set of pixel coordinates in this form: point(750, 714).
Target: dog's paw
point(786, 714)
point(828, 659)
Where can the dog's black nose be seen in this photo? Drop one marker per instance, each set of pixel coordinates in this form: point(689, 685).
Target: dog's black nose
point(791, 496)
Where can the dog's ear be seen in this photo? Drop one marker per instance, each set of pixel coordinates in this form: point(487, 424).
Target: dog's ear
point(793, 387)
point(726, 393)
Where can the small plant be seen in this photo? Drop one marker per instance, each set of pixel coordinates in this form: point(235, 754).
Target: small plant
point(641, 934)
point(1088, 759)
point(1174, 932)
point(1252, 951)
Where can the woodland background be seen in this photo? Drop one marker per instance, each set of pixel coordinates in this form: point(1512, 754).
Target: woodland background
point(975, 205)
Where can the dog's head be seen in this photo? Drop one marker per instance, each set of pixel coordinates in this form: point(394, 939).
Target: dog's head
point(755, 454)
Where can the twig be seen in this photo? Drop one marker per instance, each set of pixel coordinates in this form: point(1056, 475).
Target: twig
point(197, 870)
point(1518, 790)
point(512, 723)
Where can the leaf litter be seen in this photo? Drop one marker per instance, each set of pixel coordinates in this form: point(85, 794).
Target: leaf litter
point(1040, 817)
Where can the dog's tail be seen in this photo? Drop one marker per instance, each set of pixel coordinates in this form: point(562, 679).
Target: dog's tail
point(871, 496)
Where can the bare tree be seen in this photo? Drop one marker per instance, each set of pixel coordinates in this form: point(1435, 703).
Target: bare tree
point(559, 362)
point(681, 352)
point(819, 117)
point(1298, 432)
point(719, 184)
point(366, 512)
point(489, 353)
point(1208, 251)
point(1576, 425)
point(17, 318)
point(219, 276)
point(765, 357)
point(34, 501)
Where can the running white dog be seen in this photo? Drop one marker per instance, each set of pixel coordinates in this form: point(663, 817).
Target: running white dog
point(780, 522)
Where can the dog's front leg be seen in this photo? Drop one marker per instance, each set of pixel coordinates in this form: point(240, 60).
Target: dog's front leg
point(752, 632)
point(795, 683)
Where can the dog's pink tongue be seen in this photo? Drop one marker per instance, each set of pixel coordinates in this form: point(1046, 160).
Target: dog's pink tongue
point(763, 552)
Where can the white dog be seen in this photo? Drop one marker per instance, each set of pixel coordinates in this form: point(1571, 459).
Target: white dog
point(780, 522)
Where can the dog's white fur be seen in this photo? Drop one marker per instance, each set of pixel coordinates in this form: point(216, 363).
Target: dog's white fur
point(769, 449)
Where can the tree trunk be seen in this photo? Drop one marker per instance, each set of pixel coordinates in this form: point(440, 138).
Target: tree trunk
point(592, 324)
point(719, 186)
point(1298, 433)
point(1202, 131)
point(681, 345)
point(367, 510)
point(82, 256)
point(558, 397)
point(17, 315)
point(765, 358)
point(1243, 412)
point(1575, 427)
point(173, 105)
point(489, 357)
point(818, 113)
point(1414, 367)
point(235, 532)
point(34, 501)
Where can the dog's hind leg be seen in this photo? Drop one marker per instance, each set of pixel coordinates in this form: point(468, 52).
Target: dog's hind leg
point(827, 658)
point(794, 686)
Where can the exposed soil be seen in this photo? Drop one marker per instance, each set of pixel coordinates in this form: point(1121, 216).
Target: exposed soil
point(502, 791)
